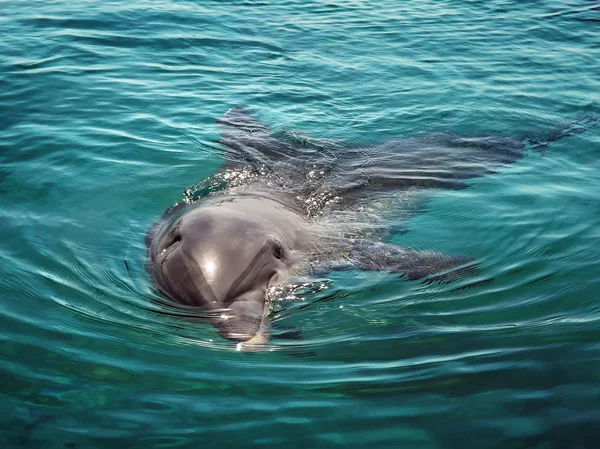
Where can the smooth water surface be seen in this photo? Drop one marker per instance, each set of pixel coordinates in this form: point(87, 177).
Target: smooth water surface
point(107, 115)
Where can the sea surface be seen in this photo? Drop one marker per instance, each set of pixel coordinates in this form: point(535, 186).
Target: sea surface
point(108, 114)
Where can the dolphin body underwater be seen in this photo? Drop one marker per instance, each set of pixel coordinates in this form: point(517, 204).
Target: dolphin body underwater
point(283, 206)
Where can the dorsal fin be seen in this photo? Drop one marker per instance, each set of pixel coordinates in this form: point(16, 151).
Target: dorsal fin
point(240, 119)
point(248, 140)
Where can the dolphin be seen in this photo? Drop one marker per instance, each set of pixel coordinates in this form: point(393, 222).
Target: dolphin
point(279, 209)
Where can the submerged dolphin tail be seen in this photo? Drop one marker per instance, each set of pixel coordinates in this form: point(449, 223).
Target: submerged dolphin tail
point(566, 129)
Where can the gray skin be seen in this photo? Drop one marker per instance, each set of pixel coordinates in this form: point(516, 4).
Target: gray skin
point(221, 254)
point(224, 254)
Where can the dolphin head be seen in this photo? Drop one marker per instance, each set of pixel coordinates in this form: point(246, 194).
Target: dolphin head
point(224, 261)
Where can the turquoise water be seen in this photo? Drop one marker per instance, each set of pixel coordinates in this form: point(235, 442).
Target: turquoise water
point(108, 114)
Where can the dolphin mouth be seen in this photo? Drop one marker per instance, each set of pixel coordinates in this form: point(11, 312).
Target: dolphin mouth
point(237, 332)
point(262, 336)
point(249, 327)
point(239, 328)
point(246, 319)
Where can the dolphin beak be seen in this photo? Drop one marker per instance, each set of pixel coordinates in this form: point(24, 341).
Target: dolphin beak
point(246, 319)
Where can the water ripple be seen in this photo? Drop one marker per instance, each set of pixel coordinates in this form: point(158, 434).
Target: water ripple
point(107, 116)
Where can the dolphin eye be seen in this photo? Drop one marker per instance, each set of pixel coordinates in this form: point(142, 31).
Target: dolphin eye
point(278, 251)
point(171, 238)
point(176, 239)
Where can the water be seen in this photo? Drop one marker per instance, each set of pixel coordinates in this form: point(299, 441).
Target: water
point(108, 114)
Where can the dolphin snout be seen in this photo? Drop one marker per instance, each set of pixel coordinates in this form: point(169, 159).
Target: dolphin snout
point(246, 317)
point(239, 329)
